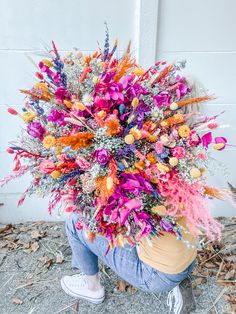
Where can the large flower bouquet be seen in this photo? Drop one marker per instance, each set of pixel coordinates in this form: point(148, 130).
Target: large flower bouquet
point(119, 145)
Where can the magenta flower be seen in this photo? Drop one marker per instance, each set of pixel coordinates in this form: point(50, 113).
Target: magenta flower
point(57, 78)
point(132, 89)
point(45, 69)
point(107, 92)
point(102, 156)
point(162, 99)
point(57, 117)
point(206, 139)
point(36, 130)
point(61, 93)
point(221, 140)
point(182, 90)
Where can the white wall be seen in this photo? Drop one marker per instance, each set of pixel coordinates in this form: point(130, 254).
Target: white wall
point(203, 32)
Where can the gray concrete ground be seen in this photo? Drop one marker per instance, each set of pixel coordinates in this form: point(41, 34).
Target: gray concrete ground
point(33, 257)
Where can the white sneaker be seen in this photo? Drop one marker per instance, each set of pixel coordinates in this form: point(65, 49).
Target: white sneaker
point(175, 300)
point(77, 287)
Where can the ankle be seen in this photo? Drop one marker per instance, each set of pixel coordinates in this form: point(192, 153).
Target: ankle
point(94, 282)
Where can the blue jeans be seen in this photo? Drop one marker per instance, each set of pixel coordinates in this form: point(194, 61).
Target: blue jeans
point(124, 261)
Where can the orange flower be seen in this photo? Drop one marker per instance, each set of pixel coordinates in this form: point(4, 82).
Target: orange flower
point(139, 164)
point(184, 131)
point(103, 187)
point(113, 127)
point(152, 158)
point(175, 119)
point(79, 140)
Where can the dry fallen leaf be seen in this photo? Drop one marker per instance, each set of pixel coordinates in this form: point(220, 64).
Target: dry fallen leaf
point(34, 246)
point(17, 301)
point(36, 234)
point(47, 261)
point(230, 274)
point(200, 280)
point(59, 258)
point(121, 285)
point(5, 228)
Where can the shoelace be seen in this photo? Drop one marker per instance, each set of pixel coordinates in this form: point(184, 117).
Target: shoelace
point(175, 296)
point(82, 283)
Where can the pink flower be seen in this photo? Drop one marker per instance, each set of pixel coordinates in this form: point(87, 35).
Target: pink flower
point(159, 147)
point(47, 166)
point(70, 208)
point(82, 163)
point(202, 156)
point(178, 152)
point(193, 139)
point(212, 125)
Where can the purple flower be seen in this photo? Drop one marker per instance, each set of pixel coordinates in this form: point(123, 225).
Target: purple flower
point(36, 130)
point(102, 156)
point(164, 154)
point(57, 117)
point(166, 226)
point(162, 99)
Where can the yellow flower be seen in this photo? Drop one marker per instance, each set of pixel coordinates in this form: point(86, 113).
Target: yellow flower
point(195, 173)
point(135, 102)
point(95, 79)
point(56, 174)
point(162, 167)
point(43, 88)
point(102, 114)
point(80, 106)
point(68, 104)
point(28, 116)
point(218, 146)
point(159, 210)
point(47, 62)
point(173, 161)
point(129, 139)
point(184, 130)
point(49, 141)
point(136, 133)
point(139, 71)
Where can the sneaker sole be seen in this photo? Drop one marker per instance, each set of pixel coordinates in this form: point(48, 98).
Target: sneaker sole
point(80, 296)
